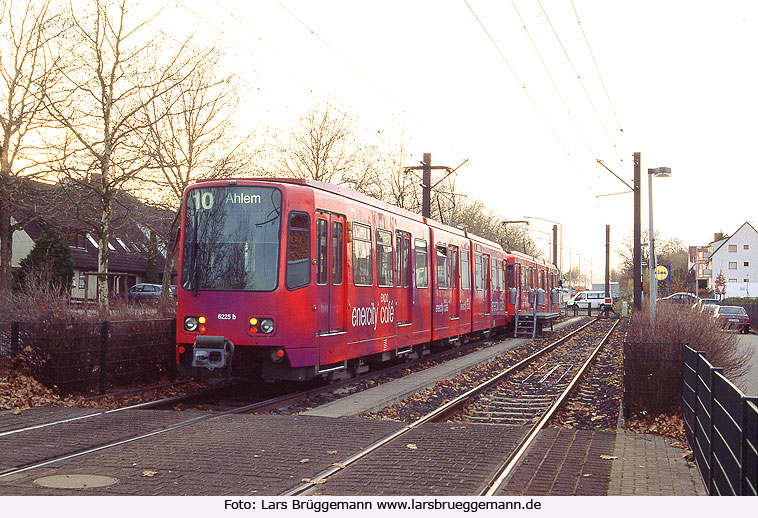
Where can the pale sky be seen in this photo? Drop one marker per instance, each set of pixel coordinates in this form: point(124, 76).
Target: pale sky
point(680, 76)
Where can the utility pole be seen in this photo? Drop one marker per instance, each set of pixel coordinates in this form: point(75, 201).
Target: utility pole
point(555, 245)
point(607, 262)
point(426, 185)
point(637, 260)
point(426, 181)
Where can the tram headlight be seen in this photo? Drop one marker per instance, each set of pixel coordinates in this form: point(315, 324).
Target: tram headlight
point(266, 326)
point(190, 324)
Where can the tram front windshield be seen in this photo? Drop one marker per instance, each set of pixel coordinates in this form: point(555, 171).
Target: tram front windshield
point(231, 239)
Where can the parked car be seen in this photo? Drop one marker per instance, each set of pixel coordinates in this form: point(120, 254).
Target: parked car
point(709, 309)
point(733, 317)
point(146, 292)
point(681, 297)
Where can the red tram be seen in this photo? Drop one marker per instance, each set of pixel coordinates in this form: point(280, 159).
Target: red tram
point(290, 279)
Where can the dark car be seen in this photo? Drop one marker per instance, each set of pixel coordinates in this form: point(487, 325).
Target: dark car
point(146, 292)
point(733, 317)
point(681, 298)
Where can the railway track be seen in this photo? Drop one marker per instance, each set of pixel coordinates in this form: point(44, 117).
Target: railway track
point(45, 458)
point(467, 406)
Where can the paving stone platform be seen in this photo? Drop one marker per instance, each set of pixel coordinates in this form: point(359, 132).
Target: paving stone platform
point(564, 462)
point(648, 465)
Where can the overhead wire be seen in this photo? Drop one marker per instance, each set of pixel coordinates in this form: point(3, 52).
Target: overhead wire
point(374, 133)
point(579, 78)
point(589, 48)
point(552, 80)
point(520, 82)
point(526, 91)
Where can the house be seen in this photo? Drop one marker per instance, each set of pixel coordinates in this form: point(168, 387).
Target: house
point(736, 257)
point(68, 210)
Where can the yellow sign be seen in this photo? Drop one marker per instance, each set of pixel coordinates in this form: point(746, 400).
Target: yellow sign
point(661, 272)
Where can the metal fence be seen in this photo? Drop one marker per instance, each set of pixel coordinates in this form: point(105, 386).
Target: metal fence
point(651, 377)
point(87, 356)
point(722, 427)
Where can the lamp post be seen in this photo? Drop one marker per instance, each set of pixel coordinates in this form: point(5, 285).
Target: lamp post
point(662, 172)
point(558, 265)
point(505, 222)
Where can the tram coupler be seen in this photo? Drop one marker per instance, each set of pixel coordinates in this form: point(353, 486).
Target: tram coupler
point(212, 352)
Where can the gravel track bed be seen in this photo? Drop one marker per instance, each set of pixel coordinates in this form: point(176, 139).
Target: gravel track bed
point(523, 398)
point(427, 400)
point(594, 404)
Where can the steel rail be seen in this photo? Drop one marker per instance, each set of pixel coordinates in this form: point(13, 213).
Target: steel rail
point(436, 414)
point(257, 406)
point(510, 463)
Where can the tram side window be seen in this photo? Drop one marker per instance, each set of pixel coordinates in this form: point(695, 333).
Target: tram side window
point(336, 253)
point(478, 271)
point(441, 267)
point(321, 250)
point(493, 275)
point(422, 270)
point(510, 279)
point(298, 272)
point(465, 271)
point(383, 258)
point(363, 274)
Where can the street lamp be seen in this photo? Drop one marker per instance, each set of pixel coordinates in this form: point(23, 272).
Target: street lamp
point(505, 222)
point(662, 172)
point(560, 267)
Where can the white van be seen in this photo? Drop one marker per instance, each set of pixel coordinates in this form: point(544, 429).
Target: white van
point(584, 299)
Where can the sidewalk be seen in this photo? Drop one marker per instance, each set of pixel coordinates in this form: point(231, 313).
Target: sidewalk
point(647, 465)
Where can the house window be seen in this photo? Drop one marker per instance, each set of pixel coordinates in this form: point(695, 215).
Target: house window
point(732, 280)
point(82, 281)
point(746, 247)
point(732, 248)
point(746, 263)
point(91, 240)
point(733, 266)
point(745, 280)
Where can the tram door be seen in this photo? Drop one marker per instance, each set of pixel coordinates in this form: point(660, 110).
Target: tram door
point(487, 285)
point(330, 284)
point(455, 282)
point(404, 268)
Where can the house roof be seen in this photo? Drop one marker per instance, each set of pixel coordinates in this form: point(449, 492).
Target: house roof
point(73, 211)
point(734, 234)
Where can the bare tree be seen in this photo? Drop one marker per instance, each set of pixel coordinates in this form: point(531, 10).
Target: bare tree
point(26, 73)
point(325, 146)
point(477, 219)
point(188, 137)
point(111, 75)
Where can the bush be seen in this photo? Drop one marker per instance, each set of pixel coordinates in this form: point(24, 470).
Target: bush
point(653, 357)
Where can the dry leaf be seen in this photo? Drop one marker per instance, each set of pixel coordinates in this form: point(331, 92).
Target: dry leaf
point(587, 475)
point(320, 481)
point(16, 411)
point(608, 457)
point(331, 452)
point(339, 465)
point(305, 480)
point(304, 461)
point(149, 473)
point(411, 446)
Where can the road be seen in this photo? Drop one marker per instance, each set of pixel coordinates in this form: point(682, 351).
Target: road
point(749, 383)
